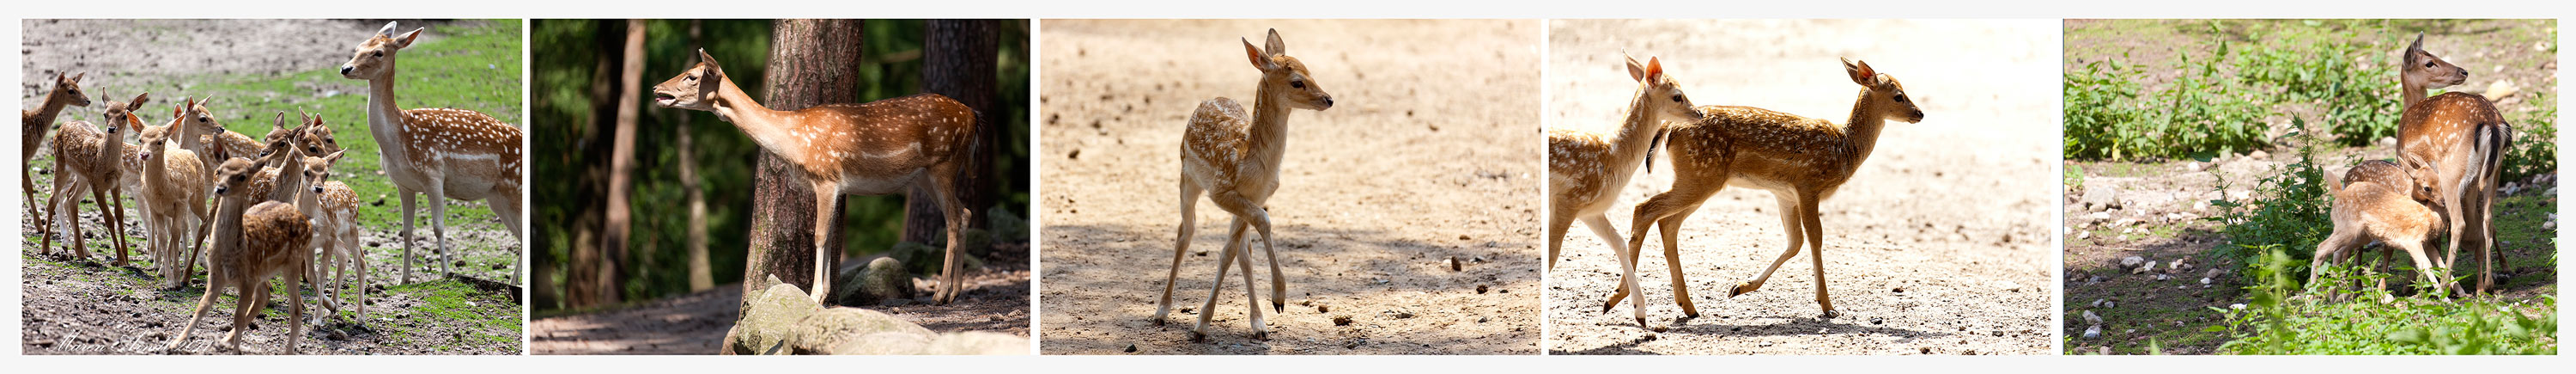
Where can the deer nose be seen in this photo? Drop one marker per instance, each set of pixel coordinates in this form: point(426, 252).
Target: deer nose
point(344, 69)
point(1328, 101)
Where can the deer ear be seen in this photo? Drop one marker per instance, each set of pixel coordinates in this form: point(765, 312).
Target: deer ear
point(131, 119)
point(2418, 45)
point(710, 61)
point(76, 78)
point(1274, 46)
point(1636, 70)
point(388, 30)
point(405, 40)
point(1860, 72)
point(335, 156)
point(139, 99)
point(1259, 60)
point(281, 120)
point(1654, 69)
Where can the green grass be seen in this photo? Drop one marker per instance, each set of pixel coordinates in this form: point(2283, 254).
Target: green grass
point(461, 305)
point(2275, 323)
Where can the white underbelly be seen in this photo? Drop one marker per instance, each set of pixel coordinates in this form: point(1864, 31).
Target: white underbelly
point(879, 186)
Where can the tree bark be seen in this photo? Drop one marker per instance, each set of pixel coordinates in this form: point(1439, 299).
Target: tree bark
point(585, 281)
point(811, 62)
point(959, 58)
point(621, 158)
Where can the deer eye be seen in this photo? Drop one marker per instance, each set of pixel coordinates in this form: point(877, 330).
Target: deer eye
point(1677, 98)
point(1900, 97)
point(1298, 84)
point(380, 53)
point(691, 78)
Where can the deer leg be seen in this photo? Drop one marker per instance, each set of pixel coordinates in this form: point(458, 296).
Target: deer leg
point(1600, 225)
point(2328, 251)
point(2425, 266)
point(826, 198)
point(54, 203)
point(438, 228)
point(112, 208)
point(1180, 245)
point(1558, 220)
point(1251, 211)
point(245, 310)
point(1225, 257)
point(1671, 228)
point(295, 301)
point(944, 188)
point(406, 232)
point(1815, 234)
point(203, 303)
point(1789, 213)
point(506, 205)
point(1251, 295)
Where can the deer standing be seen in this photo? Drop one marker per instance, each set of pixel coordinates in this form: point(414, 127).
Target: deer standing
point(2377, 201)
point(174, 184)
point(444, 153)
point(2455, 143)
point(85, 158)
point(33, 124)
point(877, 148)
point(1232, 156)
point(1586, 169)
point(1802, 161)
point(257, 243)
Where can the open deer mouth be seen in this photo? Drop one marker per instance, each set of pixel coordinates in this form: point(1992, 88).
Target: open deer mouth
point(664, 99)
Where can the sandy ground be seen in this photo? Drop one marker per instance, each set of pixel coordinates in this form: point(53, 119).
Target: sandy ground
point(1941, 244)
point(995, 299)
point(1429, 155)
point(168, 57)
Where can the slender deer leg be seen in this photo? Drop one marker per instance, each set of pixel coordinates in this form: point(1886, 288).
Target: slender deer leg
point(2329, 251)
point(55, 201)
point(203, 303)
point(1681, 200)
point(1600, 225)
point(944, 186)
point(506, 205)
point(1789, 213)
point(1252, 212)
point(295, 304)
point(1278, 280)
point(1251, 294)
point(1225, 258)
point(1671, 227)
point(826, 198)
point(1180, 245)
point(114, 210)
point(406, 231)
point(1558, 220)
point(438, 228)
point(1815, 234)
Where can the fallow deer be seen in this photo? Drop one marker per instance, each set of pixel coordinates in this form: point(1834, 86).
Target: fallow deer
point(174, 184)
point(254, 244)
point(86, 160)
point(35, 123)
point(443, 153)
point(877, 148)
point(2440, 137)
point(1801, 160)
point(1587, 169)
point(2377, 201)
point(1232, 156)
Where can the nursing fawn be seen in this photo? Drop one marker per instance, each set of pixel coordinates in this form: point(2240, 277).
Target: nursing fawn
point(2377, 201)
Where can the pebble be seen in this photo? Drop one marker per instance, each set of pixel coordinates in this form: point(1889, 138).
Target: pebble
point(1877, 321)
point(1453, 260)
point(1131, 348)
point(2092, 319)
point(2204, 280)
point(2151, 265)
point(1341, 320)
point(2132, 261)
point(1480, 289)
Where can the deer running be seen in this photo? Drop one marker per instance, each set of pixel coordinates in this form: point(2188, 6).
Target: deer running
point(1802, 161)
point(254, 244)
point(1587, 169)
point(877, 148)
point(2455, 143)
point(443, 153)
point(1232, 157)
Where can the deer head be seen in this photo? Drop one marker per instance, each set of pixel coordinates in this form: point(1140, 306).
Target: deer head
point(1661, 92)
point(233, 175)
point(1284, 78)
point(314, 136)
point(318, 170)
point(280, 146)
point(695, 89)
point(375, 57)
point(121, 114)
point(2423, 68)
point(70, 86)
point(1884, 93)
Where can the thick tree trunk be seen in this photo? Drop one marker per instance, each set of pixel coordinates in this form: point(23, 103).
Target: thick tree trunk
point(586, 284)
point(811, 62)
point(621, 169)
point(959, 58)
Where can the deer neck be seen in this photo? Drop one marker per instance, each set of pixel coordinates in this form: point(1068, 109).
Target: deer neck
point(290, 180)
point(771, 128)
point(1861, 131)
point(385, 120)
point(2411, 91)
point(1636, 134)
point(228, 226)
point(54, 102)
point(1268, 137)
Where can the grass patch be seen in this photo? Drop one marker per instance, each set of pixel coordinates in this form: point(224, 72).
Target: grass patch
point(2275, 323)
point(454, 303)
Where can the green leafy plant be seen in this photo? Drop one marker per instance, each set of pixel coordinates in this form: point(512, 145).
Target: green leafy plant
point(2535, 146)
point(2275, 322)
point(2200, 113)
point(2286, 208)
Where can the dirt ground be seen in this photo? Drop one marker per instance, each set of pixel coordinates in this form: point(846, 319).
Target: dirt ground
point(995, 299)
point(1941, 244)
point(87, 308)
point(1430, 155)
point(2153, 209)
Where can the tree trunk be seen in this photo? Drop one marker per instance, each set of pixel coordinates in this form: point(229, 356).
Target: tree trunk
point(811, 62)
point(585, 282)
point(621, 158)
point(701, 275)
point(959, 58)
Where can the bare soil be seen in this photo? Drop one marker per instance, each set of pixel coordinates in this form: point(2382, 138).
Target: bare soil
point(994, 299)
point(1940, 244)
point(1429, 157)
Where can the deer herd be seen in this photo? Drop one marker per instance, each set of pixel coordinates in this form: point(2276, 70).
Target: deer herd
point(269, 205)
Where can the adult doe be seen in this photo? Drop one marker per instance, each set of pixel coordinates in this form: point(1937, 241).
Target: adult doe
point(443, 153)
point(877, 148)
point(2454, 143)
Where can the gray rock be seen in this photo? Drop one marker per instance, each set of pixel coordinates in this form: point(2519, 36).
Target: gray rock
point(2100, 197)
point(2092, 319)
point(882, 280)
point(784, 320)
point(2132, 261)
point(2094, 332)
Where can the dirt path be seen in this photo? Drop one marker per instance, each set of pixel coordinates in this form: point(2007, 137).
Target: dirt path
point(995, 299)
point(1939, 245)
point(89, 309)
point(1429, 154)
